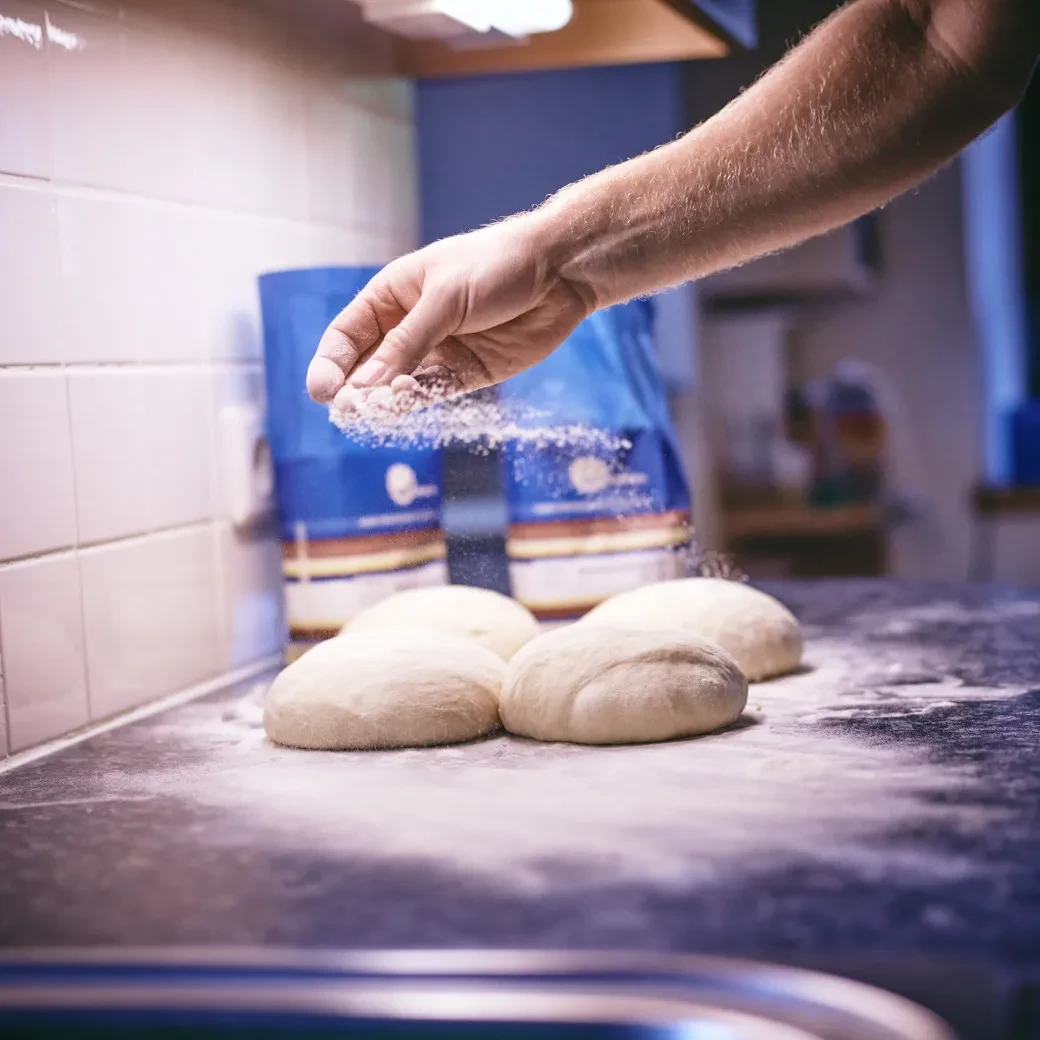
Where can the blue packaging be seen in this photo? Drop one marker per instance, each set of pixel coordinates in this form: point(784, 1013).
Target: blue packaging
point(357, 522)
point(1025, 444)
point(605, 506)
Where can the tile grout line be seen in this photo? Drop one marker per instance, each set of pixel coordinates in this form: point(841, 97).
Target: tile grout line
point(64, 332)
point(195, 366)
point(104, 543)
point(216, 484)
point(84, 662)
point(68, 189)
point(3, 704)
point(144, 711)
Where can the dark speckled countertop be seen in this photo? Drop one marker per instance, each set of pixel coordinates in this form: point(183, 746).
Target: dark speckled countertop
point(877, 814)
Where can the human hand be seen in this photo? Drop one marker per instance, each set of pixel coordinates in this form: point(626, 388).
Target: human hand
point(462, 313)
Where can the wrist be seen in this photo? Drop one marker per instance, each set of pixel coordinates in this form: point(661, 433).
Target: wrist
point(563, 234)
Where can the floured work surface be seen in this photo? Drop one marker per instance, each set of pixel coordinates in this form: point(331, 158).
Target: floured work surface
point(885, 801)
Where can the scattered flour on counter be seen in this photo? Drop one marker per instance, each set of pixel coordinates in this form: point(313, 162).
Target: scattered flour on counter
point(909, 619)
point(776, 789)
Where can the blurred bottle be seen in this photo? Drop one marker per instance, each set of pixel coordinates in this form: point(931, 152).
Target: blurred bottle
point(842, 421)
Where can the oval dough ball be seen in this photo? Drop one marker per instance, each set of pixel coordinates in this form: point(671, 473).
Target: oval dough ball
point(394, 688)
point(611, 684)
point(759, 632)
point(487, 618)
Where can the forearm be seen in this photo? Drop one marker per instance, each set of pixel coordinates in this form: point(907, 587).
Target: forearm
point(869, 105)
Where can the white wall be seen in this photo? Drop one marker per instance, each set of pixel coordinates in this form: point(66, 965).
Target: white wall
point(918, 331)
point(1014, 550)
point(154, 158)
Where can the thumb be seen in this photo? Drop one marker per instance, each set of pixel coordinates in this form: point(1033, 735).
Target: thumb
point(431, 320)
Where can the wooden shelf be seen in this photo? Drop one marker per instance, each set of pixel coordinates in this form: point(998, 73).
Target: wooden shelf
point(792, 539)
point(990, 500)
point(798, 521)
point(601, 32)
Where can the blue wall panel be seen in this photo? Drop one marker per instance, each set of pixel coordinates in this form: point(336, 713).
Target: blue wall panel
point(493, 145)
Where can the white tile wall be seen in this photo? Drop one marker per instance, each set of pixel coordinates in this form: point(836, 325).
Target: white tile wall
point(227, 249)
point(36, 479)
point(41, 623)
point(150, 613)
point(249, 574)
point(91, 139)
point(330, 132)
point(29, 275)
point(97, 273)
point(165, 284)
point(3, 714)
point(24, 140)
point(274, 131)
point(230, 385)
point(111, 466)
point(142, 440)
point(220, 69)
point(155, 156)
point(160, 110)
point(178, 444)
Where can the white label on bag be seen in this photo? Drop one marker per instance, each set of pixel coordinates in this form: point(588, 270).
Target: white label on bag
point(555, 583)
point(331, 603)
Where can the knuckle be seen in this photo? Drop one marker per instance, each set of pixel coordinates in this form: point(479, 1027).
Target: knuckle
point(338, 347)
point(397, 345)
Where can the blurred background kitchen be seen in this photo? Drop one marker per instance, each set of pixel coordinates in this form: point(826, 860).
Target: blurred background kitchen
point(867, 404)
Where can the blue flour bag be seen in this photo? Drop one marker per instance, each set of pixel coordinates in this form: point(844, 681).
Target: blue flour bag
point(602, 505)
point(357, 522)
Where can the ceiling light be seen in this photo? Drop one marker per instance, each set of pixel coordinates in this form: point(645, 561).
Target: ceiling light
point(453, 18)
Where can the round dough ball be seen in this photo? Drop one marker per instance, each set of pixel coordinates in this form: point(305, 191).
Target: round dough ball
point(759, 632)
point(491, 620)
point(613, 684)
point(394, 688)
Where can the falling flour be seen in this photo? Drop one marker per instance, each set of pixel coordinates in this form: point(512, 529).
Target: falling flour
point(477, 421)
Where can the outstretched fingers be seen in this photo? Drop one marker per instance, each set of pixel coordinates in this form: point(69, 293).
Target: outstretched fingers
point(385, 332)
point(404, 395)
point(407, 343)
point(355, 330)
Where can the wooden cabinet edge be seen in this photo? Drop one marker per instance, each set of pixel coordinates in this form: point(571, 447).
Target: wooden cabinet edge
point(602, 32)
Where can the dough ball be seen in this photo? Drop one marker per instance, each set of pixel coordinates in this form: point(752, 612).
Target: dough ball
point(613, 684)
point(491, 620)
point(393, 688)
point(759, 632)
